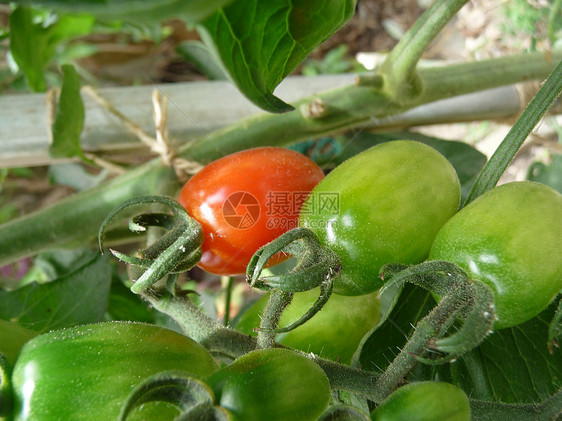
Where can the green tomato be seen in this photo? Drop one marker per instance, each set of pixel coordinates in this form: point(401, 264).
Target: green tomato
point(272, 384)
point(424, 401)
point(381, 206)
point(87, 372)
point(333, 333)
point(511, 239)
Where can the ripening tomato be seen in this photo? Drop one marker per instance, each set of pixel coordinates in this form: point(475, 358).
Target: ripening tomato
point(245, 200)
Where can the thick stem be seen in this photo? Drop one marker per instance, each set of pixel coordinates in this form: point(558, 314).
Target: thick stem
point(201, 328)
point(63, 224)
point(278, 300)
point(399, 68)
point(343, 377)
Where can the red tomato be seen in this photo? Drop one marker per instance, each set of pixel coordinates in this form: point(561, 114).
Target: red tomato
point(245, 200)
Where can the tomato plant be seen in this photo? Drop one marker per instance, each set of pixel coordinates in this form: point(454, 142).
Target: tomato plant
point(509, 238)
point(424, 401)
point(273, 384)
point(90, 369)
point(334, 333)
point(388, 203)
point(245, 200)
point(378, 215)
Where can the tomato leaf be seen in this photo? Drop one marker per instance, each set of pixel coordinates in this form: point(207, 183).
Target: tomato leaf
point(29, 47)
point(69, 120)
point(550, 174)
point(261, 42)
point(77, 298)
point(124, 305)
point(34, 37)
point(512, 365)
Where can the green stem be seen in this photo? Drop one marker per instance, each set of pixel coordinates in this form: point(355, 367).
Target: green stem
point(228, 296)
point(75, 220)
point(278, 300)
point(503, 155)
point(343, 377)
point(399, 68)
point(200, 327)
point(421, 340)
point(497, 411)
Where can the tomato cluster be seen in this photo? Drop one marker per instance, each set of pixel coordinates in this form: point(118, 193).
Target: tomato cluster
point(396, 202)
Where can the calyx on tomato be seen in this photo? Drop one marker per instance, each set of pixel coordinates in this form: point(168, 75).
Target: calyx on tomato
point(511, 239)
point(272, 384)
point(245, 200)
point(87, 372)
point(383, 205)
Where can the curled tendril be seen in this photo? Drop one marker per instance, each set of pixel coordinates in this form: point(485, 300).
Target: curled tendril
point(471, 301)
point(316, 266)
point(176, 251)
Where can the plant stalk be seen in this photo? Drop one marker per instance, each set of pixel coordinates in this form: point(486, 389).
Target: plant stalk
point(201, 328)
point(399, 68)
point(75, 220)
point(278, 301)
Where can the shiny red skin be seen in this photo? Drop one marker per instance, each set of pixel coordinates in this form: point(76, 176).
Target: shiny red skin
point(279, 172)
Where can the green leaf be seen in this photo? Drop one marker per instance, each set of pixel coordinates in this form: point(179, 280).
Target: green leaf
point(56, 264)
point(512, 365)
point(550, 174)
point(136, 11)
point(466, 160)
point(77, 298)
point(34, 37)
point(260, 42)
point(69, 120)
point(29, 47)
point(124, 305)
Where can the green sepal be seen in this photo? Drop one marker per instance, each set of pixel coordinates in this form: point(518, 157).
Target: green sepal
point(177, 251)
